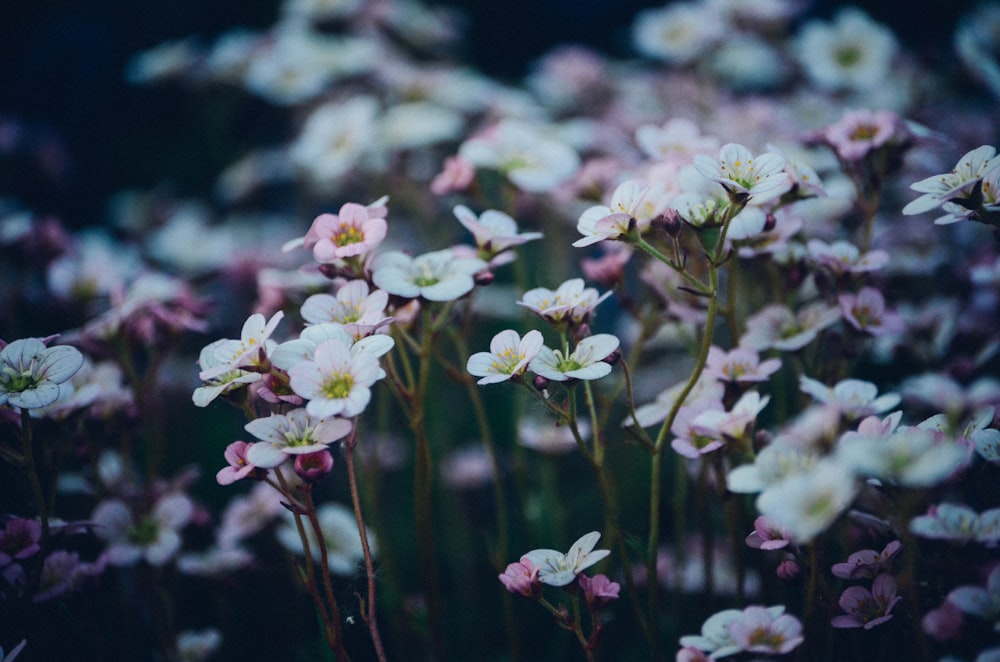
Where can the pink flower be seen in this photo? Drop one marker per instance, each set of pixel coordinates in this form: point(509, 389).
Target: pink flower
point(866, 312)
point(739, 365)
point(355, 231)
point(867, 563)
point(522, 578)
point(608, 269)
point(19, 539)
point(456, 176)
point(767, 535)
point(598, 590)
point(867, 608)
point(239, 467)
point(314, 467)
point(943, 623)
point(860, 132)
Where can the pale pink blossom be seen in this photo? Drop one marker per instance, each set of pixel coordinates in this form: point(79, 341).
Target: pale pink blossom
point(739, 365)
point(866, 311)
point(239, 467)
point(457, 174)
point(867, 609)
point(336, 381)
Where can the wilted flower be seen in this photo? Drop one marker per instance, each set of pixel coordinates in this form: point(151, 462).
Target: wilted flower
point(521, 578)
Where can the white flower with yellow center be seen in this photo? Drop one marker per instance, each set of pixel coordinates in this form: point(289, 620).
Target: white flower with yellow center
point(294, 433)
point(759, 178)
point(336, 381)
point(508, 357)
point(586, 361)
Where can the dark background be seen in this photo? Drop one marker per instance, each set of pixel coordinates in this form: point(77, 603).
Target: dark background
point(83, 133)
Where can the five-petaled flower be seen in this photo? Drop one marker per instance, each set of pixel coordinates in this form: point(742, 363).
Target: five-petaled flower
point(586, 361)
point(336, 381)
point(508, 357)
point(31, 373)
point(745, 176)
point(294, 433)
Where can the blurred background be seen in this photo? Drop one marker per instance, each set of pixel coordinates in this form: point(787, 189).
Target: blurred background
point(84, 133)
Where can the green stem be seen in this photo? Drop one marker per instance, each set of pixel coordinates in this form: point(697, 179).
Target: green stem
point(33, 475)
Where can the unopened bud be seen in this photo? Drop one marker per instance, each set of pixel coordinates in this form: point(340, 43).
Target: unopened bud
point(314, 467)
point(484, 277)
point(540, 383)
point(770, 221)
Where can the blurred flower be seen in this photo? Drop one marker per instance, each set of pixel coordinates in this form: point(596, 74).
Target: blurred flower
point(979, 601)
point(548, 438)
point(598, 590)
point(335, 138)
point(767, 535)
point(19, 540)
point(773, 464)
point(759, 630)
point(715, 637)
point(198, 646)
point(866, 311)
point(467, 468)
point(532, 160)
point(62, 571)
point(458, 173)
point(678, 33)
point(853, 398)
point(31, 374)
point(866, 608)
point(842, 257)
point(853, 52)
point(435, 276)
point(861, 132)
point(494, 231)
point(340, 533)
point(558, 569)
point(777, 327)
point(153, 537)
point(867, 563)
point(508, 357)
point(956, 522)
point(806, 503)
point(739, 365)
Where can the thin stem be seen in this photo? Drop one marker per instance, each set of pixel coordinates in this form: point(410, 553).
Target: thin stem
point(36, 483)
point(333, 620)
point(370, 617)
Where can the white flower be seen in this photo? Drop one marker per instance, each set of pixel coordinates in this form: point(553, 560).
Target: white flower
point(806, 503)
point(289, 354)
point(853, 52)
point(908, 456)
point(558, 569)
point(777, 327)
point(602, 222)
point(230, 355)
point(678, 138)
point(586, 361)
point(155, 537)
point(958, 184)
point(758, 178)
point(294, 433)
point(340, 533)
point(359, 312)
point(508, 357)
point(435, 276)
point(334, 139)
point(853, 398)
point(336, 381)
point(777, 461)
point(418, 124)
point(227, 381)
point(494, 231)
point(678, 33)
point(571, 301)
point(31, 374)
point(532, 160)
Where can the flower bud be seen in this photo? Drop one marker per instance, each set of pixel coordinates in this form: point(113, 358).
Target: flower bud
point(314, 467)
